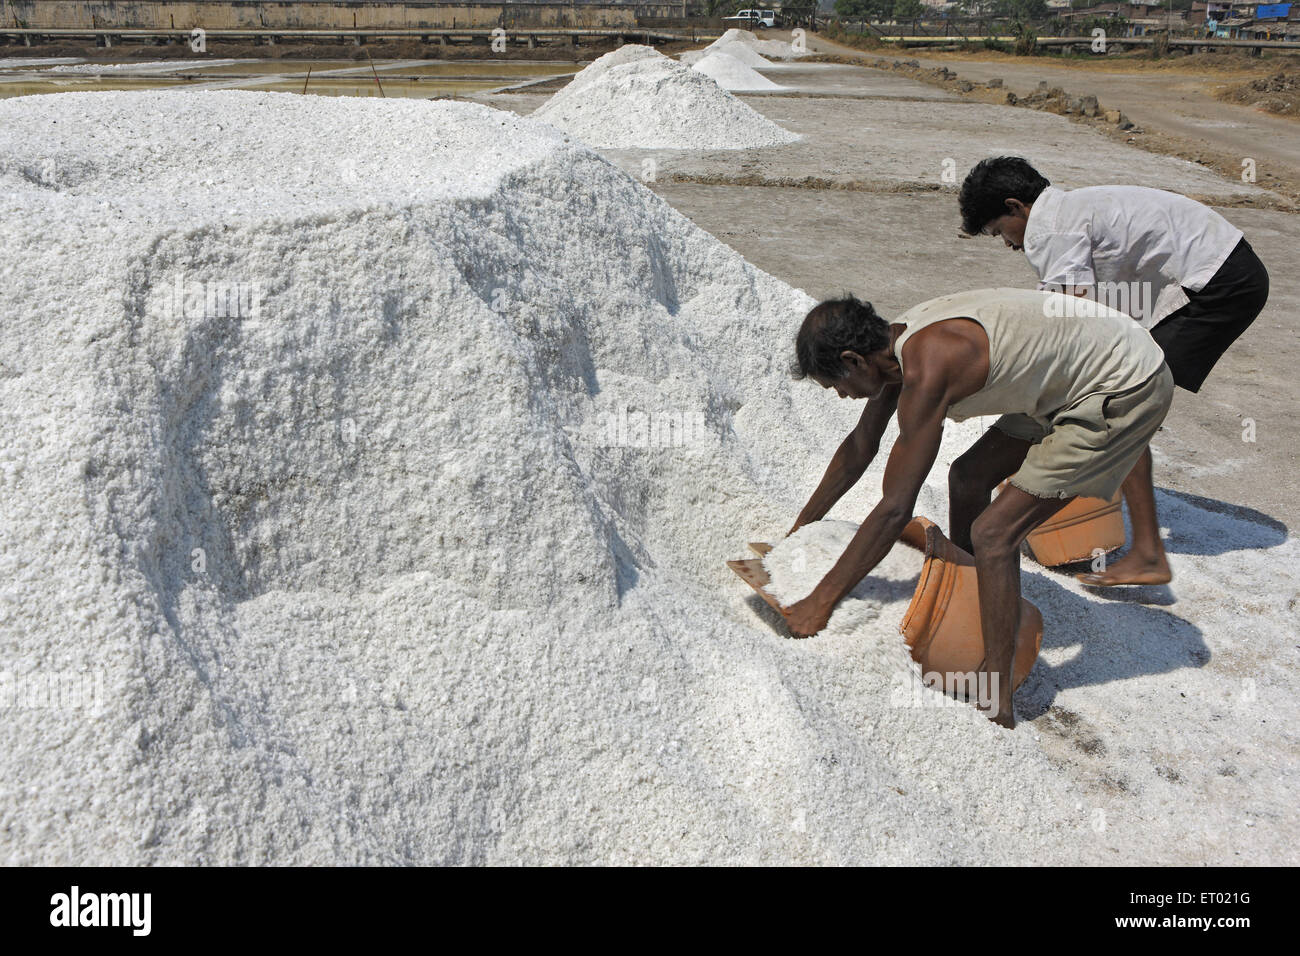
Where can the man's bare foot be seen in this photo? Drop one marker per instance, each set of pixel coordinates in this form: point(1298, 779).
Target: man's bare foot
point(1005, 719)
point(1002, 713)
point(1130, 569)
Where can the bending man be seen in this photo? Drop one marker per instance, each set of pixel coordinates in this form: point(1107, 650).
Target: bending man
point(1097, 384)
point(1178, 267)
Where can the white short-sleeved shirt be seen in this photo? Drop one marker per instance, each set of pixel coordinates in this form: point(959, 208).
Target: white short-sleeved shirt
point(1137, 247)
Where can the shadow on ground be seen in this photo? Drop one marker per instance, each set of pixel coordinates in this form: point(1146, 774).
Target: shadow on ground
point(1115, 642)
point(1247, 528)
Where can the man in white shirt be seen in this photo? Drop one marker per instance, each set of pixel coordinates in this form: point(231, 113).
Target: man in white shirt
point(1180, 269)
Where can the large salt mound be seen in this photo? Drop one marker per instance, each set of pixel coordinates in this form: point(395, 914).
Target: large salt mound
point(379, 562)
point(627, 53)
point(731, 74)
point(656, 103)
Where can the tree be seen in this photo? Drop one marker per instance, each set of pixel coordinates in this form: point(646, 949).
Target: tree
point(909, 9)
point(876, 10)
point(1020, 9)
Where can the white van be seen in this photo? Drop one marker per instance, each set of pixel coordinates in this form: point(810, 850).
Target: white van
point(758, 19)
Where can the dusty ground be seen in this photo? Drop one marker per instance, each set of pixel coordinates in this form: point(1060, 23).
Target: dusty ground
point(1277, 93)
point(896, 134)
point(1174, 103)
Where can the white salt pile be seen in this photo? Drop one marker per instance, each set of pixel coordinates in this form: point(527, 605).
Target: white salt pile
point(777, 49)
point(734, 35)
point(627, 53)
point(740, 51)
point(653, 102)
point(797, 564)
point(360, 551)
point(730, 74)
point(368, 466)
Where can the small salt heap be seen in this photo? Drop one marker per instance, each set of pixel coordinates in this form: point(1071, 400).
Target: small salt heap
point(743, 52)
point(644, 100)
point(731, 74)
point(768, 48)
point(778, 49)
point(734, 35)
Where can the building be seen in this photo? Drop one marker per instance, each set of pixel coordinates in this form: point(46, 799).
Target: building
point(1140, 18)
point(1251, 21)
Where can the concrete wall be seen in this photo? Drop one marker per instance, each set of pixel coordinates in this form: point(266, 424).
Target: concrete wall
point(238, 14)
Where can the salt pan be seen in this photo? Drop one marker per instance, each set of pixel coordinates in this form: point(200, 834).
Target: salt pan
point(319, 503)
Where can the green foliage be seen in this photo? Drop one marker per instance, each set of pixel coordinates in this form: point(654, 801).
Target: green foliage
point(1026, 42)
point(873, 10)
point(1020, 9)
point(724, 8)
point(909, 9)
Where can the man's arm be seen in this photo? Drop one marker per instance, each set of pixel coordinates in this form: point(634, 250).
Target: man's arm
point(921, 409)
point(852, 458)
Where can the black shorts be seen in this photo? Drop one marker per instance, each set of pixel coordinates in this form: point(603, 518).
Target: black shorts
point(1197, 335)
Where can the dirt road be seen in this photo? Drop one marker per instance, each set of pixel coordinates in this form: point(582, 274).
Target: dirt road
point(1175, 102)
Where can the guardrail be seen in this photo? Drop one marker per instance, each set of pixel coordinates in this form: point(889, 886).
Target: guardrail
point(1190, 43)
point(441, 35)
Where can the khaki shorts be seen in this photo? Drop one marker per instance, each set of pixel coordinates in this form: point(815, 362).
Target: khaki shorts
point(1089, 448)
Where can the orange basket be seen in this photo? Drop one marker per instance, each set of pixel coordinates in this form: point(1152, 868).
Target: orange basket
point(942, 624)
point(1078, 531)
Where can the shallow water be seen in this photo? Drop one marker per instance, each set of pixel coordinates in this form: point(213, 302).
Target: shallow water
point(402, 78)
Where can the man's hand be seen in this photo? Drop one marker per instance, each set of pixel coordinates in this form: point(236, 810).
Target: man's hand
point(807, 617)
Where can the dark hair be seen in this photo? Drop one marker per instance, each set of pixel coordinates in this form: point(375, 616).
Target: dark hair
point(837, 325)
point(990, 184)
